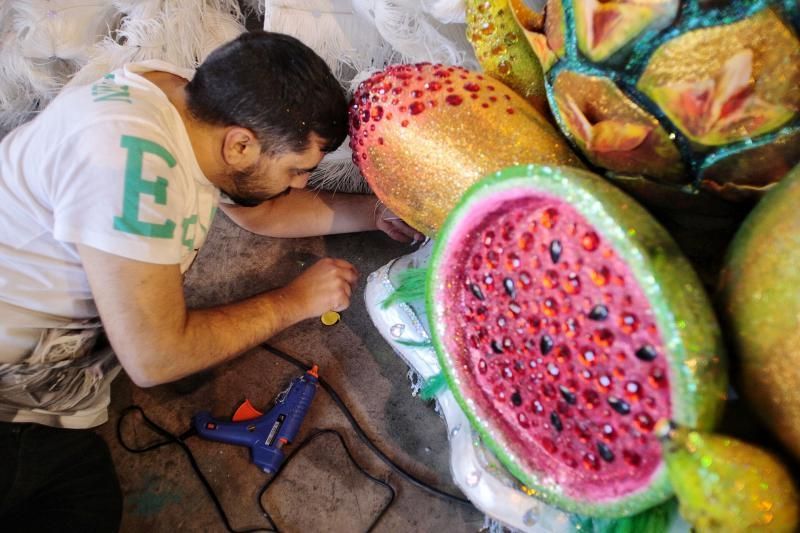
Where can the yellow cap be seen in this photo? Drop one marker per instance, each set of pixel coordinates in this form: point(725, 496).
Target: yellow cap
point(330, 318)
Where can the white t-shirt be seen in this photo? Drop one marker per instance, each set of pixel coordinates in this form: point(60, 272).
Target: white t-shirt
point(108, 165)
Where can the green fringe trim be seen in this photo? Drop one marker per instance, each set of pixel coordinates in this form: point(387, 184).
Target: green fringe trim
point(433, 386)
point(415, 344)
point(410, 289)
point(653, 520)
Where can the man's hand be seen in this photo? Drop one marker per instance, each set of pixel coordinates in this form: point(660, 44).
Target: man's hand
point(326, 286)
point(394, 227)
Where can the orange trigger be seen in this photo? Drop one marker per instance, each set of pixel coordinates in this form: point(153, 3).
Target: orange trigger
point(246, 411)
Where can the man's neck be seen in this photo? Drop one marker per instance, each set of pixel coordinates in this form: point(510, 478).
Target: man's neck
point(202, 137)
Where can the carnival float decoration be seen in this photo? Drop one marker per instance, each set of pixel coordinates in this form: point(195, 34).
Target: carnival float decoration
point(423, 134)
point(518, 315)
point(553, 320)
point(567, 323)
point(670, 99)
point(760, 303)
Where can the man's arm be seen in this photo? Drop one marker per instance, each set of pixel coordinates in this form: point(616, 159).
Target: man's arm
point(304, 213)
point(158, 340)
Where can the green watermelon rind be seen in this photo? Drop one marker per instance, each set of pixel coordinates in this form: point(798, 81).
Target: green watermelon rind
point(681, 307)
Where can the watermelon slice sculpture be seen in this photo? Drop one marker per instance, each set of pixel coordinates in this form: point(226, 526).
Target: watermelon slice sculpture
point(567, 324)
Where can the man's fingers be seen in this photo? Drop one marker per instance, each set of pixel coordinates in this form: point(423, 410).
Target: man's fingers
point(345, 265)
point(401, 231)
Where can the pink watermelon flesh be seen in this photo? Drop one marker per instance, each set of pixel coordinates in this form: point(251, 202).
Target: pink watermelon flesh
point(560, 342)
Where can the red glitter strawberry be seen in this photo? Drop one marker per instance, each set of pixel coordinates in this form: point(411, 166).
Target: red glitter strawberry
point(422, 134)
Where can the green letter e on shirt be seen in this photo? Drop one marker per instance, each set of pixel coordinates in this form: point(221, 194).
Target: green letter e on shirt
point(135, 186)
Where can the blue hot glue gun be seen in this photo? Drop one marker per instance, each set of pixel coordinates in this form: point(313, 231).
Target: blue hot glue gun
point(264, 434)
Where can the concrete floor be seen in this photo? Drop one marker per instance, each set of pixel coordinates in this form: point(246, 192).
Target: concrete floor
point(320, 490)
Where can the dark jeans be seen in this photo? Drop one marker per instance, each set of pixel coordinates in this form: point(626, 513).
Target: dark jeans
point(54, 479)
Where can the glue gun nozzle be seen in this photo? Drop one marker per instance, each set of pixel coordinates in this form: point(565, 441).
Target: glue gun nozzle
point(314, 371)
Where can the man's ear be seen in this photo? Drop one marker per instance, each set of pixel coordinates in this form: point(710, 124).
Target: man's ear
point(240, 148)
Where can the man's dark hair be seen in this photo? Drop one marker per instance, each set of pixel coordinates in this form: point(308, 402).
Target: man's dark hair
point(273, 85)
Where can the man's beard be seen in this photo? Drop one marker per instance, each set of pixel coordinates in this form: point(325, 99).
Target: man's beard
point(245, 193)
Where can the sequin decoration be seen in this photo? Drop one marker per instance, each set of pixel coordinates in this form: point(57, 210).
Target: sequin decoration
point(502, 47)
point(759, 299)
point(613, 131)
point(427, 160)
point(571, 350)
point(724, 484)
point(684, 96)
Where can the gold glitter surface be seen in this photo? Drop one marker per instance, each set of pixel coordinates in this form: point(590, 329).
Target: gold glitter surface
point(604, 28)
point(725, 485)
point(702, 54)
point(503, 51)
point(759, 297)
point(600, 99)
point(421, 169)
point(751, 172)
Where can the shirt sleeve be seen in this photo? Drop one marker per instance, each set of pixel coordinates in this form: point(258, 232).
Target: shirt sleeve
point(117, 187)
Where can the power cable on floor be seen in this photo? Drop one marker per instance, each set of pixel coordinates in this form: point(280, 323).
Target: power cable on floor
point(170, 438)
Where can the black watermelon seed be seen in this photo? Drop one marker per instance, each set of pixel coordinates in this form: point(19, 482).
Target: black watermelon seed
point(496, 347)
point(556, 421)
point(568, 395)
point(508, 285)
point(546, 344)
point(646, 353)
point(516, 399)
point(598, 312)
point(476, 291)
point(555, 250)
point(620, 406)
point(605, 452)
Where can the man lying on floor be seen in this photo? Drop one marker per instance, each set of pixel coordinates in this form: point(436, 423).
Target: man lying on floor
point(105, 199)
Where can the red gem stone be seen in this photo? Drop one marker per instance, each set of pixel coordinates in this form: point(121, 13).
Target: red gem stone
point(590, 241)
point(416, 108)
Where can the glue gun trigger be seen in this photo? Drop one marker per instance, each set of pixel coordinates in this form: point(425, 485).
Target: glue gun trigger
point(246, 411)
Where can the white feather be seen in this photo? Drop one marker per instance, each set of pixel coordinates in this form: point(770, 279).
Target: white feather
point(63, 29)
point(181, 32)
point(42, 44)
point(447, 11)
point(346, 41)
point(415, 34)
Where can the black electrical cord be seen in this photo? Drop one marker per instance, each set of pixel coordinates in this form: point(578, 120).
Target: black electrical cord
point(314, 436)
point(170, 438)
point(179, 440)
point(361, 433)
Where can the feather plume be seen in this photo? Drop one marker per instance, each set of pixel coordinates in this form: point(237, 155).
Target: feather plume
point(42, 44)
point(181, 32)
